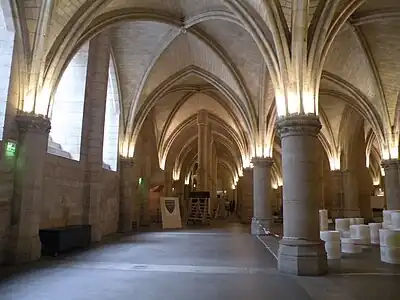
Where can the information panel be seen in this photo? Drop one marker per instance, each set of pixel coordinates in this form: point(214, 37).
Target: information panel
point(170, 212)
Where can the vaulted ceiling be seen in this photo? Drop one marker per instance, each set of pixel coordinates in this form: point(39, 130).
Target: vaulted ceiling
point(176, 57)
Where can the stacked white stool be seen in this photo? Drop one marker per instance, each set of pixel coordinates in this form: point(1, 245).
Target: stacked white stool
point(360, 233)
point(390, 245)
point(343, 226)
point(332, 243)
point(374, 232)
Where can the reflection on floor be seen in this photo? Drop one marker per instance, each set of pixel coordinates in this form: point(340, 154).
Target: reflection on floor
point(224, 262)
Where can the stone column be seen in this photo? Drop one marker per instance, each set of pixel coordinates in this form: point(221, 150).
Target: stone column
point(337, 193)
point(301, 252)
point(24, 243)
point(261, 195)
point(93, 130)
point(203, 163)
point(392, 183)
point(127, 188)
point(350, 192)
point(246, 196)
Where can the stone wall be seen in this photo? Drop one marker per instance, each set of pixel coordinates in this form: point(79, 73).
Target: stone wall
point(6, 194)
point(63, 195)
point(109, 202)
point(63, 192)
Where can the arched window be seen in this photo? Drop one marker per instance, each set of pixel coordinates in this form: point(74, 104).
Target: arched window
point(7, 36)
point(67, 108)
point(111, 124)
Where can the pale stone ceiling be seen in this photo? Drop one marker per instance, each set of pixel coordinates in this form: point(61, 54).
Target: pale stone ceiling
point(364, 57)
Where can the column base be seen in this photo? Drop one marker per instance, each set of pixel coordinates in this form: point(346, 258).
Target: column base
point(125, 225)
point(96, 233)
point(28, 249)
point(256, 229)
point(302, 258)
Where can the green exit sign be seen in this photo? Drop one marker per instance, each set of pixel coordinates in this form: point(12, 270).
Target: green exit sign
point(11, 148)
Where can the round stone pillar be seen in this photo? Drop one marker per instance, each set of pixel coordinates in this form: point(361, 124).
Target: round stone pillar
point(262, 213)
point(203, 163)
point(301, 251)
point(127, 186)
point(392, 183)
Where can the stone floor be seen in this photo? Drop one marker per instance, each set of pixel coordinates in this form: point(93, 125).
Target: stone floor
point(220, 263)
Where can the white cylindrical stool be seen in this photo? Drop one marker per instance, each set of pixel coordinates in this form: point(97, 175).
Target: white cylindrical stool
point(395, 217)
point(374, 232)
point(342, 225)
point(349, 246)
point(390, 246)
point(387, 218)
point(361, 234)
point(323, 220)
point(332, 243)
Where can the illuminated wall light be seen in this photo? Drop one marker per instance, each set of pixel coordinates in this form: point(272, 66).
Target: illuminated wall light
point(279, 182)
point(382, 171)
point(233, 187)
point(274, 186)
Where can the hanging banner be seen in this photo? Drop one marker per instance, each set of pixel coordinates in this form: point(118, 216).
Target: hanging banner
point(170, 212)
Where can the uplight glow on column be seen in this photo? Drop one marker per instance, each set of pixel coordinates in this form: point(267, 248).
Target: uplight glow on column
point(280, 103)
point(295, 102)
point(334, 163)
point(29, 102)
point(246, 162)
point(42, 101)
point(308, 103)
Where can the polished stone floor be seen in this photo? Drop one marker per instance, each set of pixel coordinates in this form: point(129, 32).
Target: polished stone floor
point(220, 263)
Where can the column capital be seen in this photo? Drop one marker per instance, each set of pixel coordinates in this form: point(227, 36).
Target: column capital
point(28, 122)
point(390, 164)
point(262, 161)
point(126, 161)
point(298, 125)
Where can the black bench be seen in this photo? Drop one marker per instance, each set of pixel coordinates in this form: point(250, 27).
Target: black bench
point(63, 239)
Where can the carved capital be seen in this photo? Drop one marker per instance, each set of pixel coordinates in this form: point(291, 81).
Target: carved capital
point(28, 122)
point(126, 162)
point(390, 164)
point(298, 125)
point(262, 161)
